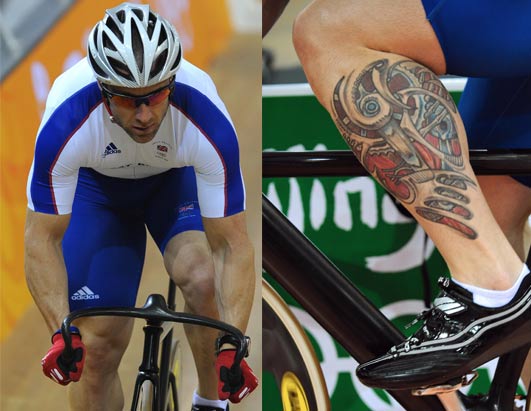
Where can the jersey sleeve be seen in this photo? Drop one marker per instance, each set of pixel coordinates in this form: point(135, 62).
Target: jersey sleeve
point(58, 154)
point(215, 154)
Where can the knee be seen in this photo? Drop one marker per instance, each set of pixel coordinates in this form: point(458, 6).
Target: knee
point(193, 273)
point(104, 350)
point(305, 34)
point(322, 26)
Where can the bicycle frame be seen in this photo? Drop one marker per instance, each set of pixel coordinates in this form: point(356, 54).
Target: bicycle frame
point(334, 301)
point(156, 312)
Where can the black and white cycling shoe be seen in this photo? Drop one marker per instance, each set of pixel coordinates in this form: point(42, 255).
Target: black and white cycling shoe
point(457, 336)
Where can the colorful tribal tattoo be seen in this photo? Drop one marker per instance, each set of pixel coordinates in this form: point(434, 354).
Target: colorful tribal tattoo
point(400, 123)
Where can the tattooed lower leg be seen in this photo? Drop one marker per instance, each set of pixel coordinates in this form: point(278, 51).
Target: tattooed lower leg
point(401, 124)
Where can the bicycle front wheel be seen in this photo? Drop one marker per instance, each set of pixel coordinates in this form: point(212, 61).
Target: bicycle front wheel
point(144, 397)
point(174, 383)
point(289, 355)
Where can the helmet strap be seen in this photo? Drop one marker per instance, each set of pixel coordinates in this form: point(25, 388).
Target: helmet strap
point(106, 104)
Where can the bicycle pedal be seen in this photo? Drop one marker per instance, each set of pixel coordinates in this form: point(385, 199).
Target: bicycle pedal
point(450, 386)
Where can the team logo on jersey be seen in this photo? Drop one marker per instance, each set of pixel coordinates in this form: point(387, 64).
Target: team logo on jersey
point(111, 149)
point(161, 149)
point(186, 210)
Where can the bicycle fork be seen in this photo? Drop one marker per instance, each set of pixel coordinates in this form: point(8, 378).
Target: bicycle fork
point(148, 369)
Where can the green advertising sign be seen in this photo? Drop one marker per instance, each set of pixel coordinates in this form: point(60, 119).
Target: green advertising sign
point(359, 227)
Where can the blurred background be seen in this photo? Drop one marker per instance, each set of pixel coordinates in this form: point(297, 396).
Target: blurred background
point(280, 64)
point(39, 40)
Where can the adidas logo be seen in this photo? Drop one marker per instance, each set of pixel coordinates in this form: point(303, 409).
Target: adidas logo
point(85, 293)
point(111, 149)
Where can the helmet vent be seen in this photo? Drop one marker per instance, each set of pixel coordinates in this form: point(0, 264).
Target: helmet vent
point(151, 25)
point(138, 46)
point(138, 13)
point(96, 67)
point(162, 38)
point(113, 27)
point(107, 42)
point(177, 60)
point(121, 68)
point(121, 16)
point(158, 64)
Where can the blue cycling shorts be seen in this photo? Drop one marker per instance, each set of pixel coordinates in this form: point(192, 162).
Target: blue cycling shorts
point(105, 243)
point(483, 38)
point(497, 114)
point(489, 41)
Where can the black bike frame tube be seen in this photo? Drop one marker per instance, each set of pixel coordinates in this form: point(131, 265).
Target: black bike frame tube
point(344, 163)
point(140, 379)
point(166, 348)
point(322, 290)
point(151, 348)
point(148, 369)
point(506, 377)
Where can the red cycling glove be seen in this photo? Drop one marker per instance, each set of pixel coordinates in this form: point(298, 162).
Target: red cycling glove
point(56, 367)
point(234, 385)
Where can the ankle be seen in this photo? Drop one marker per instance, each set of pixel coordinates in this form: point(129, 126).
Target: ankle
point(495, 298)
point(492, 278)
point(217, 403)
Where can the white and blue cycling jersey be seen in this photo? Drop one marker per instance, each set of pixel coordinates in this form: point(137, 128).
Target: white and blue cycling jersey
point(113, 188)
point(76, 132)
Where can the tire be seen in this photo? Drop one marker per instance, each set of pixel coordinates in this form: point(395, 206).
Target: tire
point(175, 382)
point(173, 396)
point(145, 397)
point(289, 355)
point(175, 377)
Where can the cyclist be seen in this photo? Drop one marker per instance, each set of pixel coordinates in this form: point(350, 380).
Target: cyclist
point(134, 136)
point(374, 65)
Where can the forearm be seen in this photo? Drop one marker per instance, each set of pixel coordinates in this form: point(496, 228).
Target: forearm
point(236, 280)
point(47, 282)
point(45, 269)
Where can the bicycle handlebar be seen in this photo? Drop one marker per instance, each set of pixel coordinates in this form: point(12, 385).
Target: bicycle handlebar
point(155, 311)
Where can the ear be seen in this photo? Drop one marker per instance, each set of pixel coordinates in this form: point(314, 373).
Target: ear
point(106, 104)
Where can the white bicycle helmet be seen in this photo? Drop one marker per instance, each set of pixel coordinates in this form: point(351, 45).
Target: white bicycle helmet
point(133, 47)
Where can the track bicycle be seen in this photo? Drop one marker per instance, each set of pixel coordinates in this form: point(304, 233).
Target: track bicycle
point(338, 305)
point(156, 385)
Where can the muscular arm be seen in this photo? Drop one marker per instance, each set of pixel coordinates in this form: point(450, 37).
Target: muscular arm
point(44, 265)
point(234, 262)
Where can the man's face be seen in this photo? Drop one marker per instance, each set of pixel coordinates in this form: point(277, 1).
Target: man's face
point(139, 117)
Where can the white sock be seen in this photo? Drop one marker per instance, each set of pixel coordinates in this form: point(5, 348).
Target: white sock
point(198, 400)
point(494, 298)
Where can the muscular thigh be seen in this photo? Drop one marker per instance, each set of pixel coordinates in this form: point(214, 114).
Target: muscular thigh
point(188, 259)
point(173, 208)
point(399, 27)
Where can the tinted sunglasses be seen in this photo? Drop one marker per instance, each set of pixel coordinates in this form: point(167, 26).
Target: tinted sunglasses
point(129, 101)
